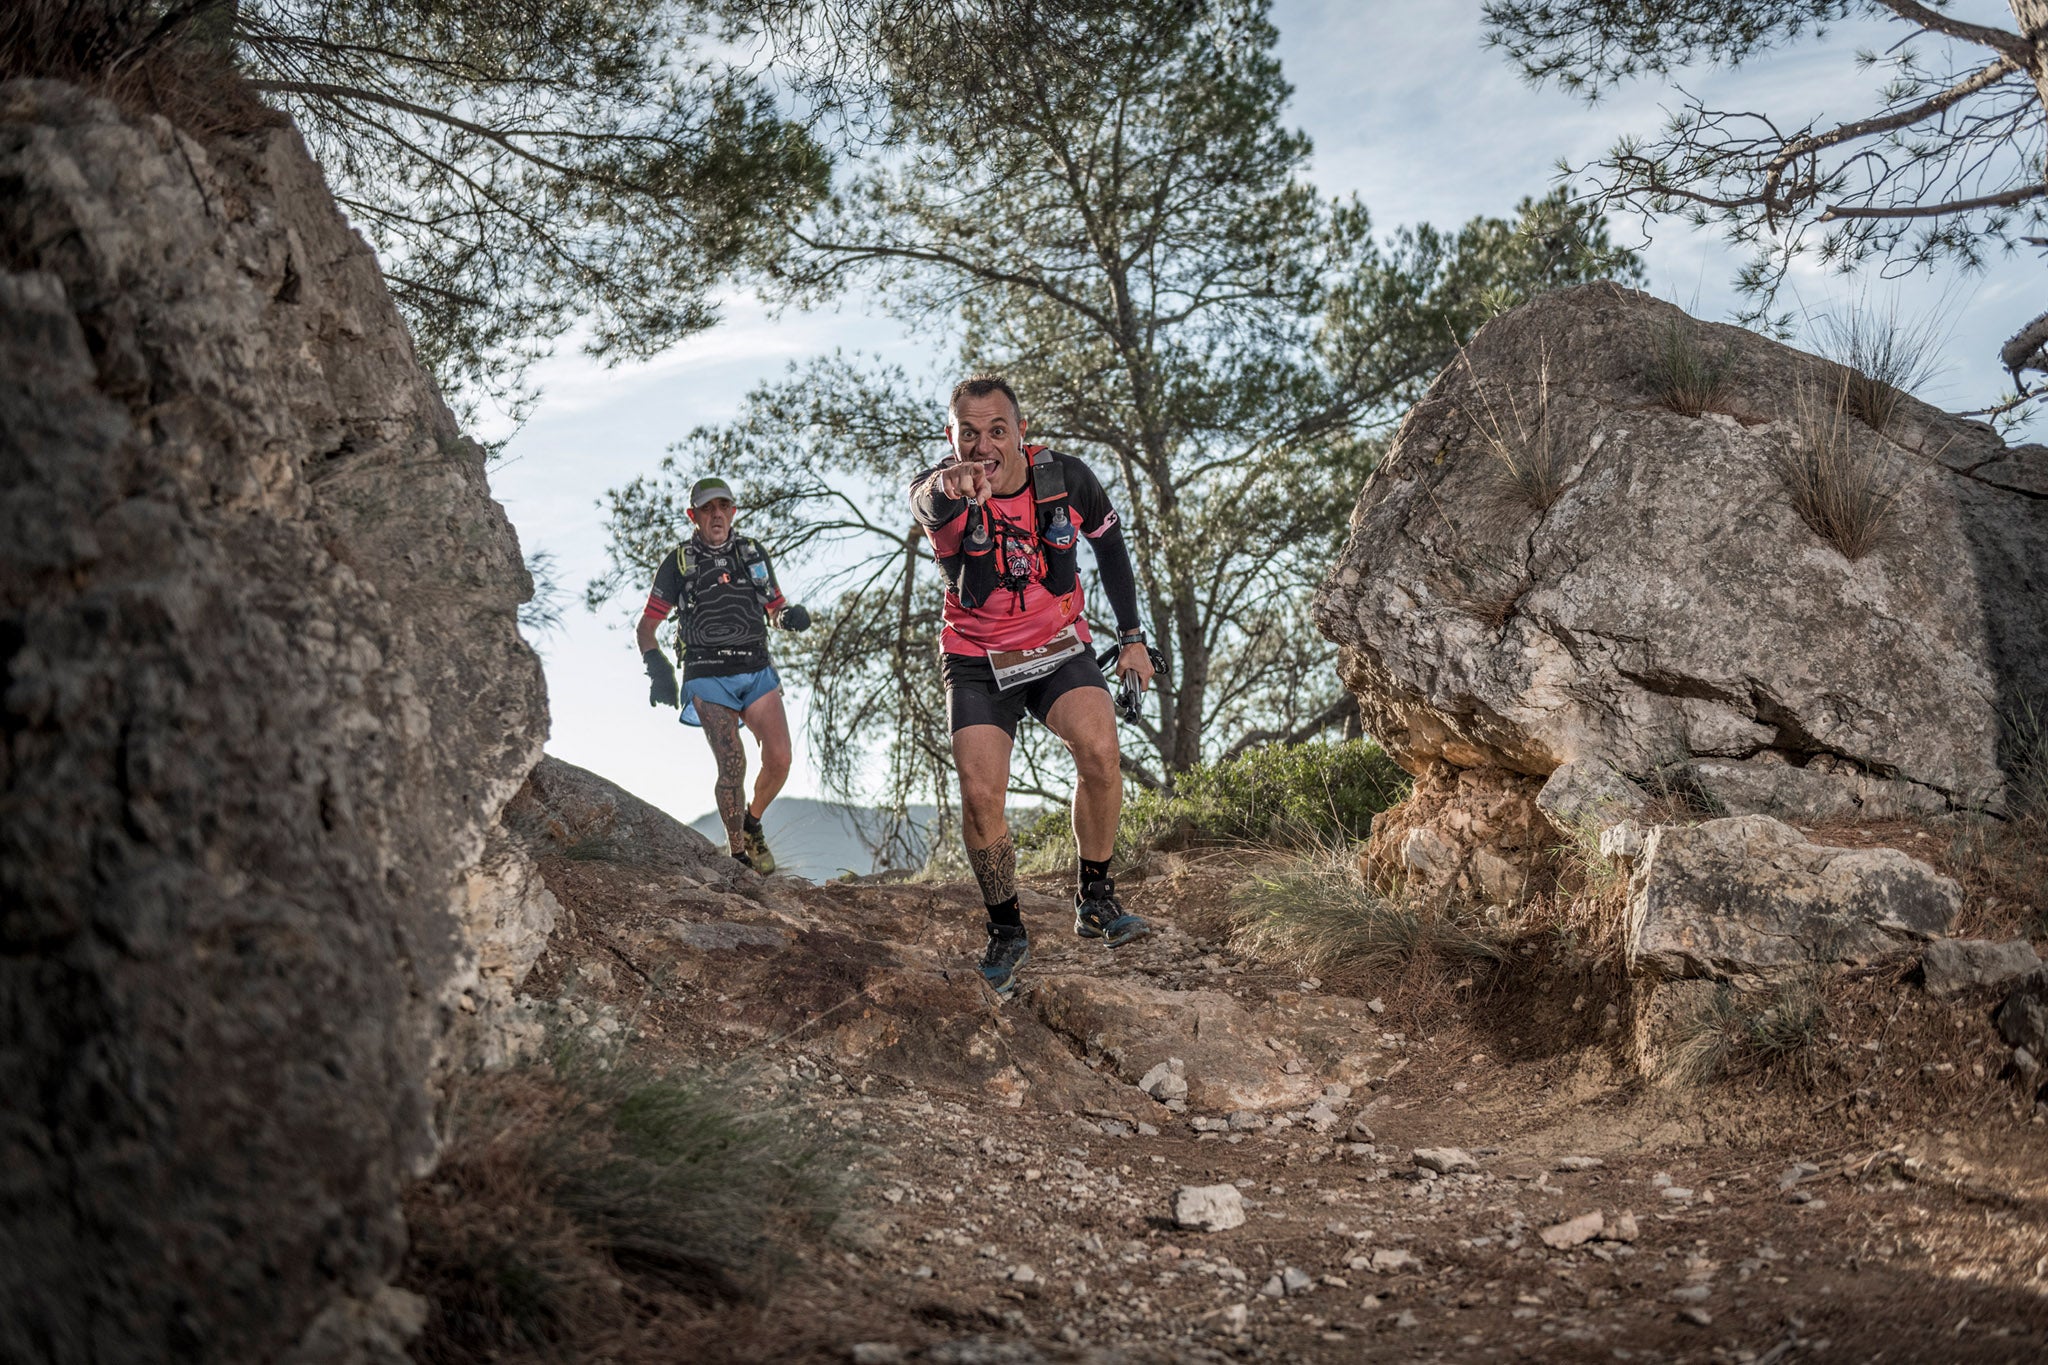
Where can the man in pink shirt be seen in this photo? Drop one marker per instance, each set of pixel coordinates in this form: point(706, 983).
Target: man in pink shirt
point(1005, 521)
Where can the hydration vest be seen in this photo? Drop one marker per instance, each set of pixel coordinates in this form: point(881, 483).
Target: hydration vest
point(732, 625)
point(997, 556)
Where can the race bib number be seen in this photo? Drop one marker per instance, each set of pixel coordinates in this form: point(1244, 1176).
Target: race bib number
point(1015, 667)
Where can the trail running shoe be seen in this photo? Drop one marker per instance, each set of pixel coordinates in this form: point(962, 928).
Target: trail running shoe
point(758, 856)
point(1008, 947)
point(744, 861)
point(1098, 914)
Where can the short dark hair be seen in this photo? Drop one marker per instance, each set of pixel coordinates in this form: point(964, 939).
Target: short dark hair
point(981, 386)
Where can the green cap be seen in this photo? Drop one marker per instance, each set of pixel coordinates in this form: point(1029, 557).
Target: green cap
point(710, 490)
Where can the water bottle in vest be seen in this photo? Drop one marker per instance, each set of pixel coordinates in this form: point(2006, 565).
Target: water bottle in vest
point(1059, 535)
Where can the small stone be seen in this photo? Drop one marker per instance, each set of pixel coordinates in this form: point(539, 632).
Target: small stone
point(1234, 1318)
point(1406, 1320)
point(1444, 1160)
point(1164, 1082)
point(1573, 1231)
point(1208, 1208)
point(1293, 1066)
point(1144, 1130)
point(1622, 1229)
point(1296, 1281)
point(1023, 1274)
point(1273, 1288)
point(923, 1272)
point(1698, 1317)
point(1796, 1172)
point(1247, 1121)
point(1337, 1091)
point(1677, 1194)
point(875, 1353)
point(1393, 1261)
point(1691, 1293)
point(1577, 1163)
point(1376, 1005)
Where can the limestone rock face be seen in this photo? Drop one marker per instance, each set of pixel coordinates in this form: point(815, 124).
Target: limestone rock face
point(1670, 610)
point(1748, 899)
point(1472, 834)
point(263, 697)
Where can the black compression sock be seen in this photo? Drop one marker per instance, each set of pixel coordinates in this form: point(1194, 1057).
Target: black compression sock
point(751, 823)
point(1092, 871)
point(1006, 913)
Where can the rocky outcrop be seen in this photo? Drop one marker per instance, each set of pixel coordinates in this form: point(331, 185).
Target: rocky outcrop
point(1747, 899)
point(1662, 607)
point(1469, 834)
point(263, 699)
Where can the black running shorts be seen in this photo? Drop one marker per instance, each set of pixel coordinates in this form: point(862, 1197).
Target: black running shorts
point(972, 699)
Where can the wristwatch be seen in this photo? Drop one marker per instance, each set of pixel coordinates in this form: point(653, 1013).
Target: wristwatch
point(1134, 636)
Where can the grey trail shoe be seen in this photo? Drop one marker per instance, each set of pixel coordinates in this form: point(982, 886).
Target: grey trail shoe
point(1099, 914)
point(1008, 948)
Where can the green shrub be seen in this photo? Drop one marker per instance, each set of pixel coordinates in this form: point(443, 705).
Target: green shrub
point(1297, 796)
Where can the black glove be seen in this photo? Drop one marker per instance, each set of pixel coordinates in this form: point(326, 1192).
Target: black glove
point(794, 617)
point(661, 679)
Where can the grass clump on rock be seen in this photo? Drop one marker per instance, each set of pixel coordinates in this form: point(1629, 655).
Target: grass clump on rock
point(1684, 375)
point(1883, 357)
point(1843, 484)
point(595, 1208)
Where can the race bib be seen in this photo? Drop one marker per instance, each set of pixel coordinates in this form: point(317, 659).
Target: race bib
point(1015, 667)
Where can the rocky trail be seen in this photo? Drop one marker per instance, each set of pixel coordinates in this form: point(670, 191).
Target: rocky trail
point(1407, 1168)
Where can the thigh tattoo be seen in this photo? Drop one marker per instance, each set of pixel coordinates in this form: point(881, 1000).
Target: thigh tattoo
point(995, 867)
point(722, 731)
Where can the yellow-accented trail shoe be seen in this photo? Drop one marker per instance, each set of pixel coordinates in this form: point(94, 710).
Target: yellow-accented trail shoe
point(758, 854)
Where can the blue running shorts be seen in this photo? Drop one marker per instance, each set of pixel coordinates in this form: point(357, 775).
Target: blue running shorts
point(736, 692)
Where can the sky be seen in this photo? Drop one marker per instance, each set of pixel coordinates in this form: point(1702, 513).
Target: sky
point(1406, 109)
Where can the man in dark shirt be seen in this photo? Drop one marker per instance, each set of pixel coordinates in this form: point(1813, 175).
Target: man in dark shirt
point(725, 589)
point(1005, 522)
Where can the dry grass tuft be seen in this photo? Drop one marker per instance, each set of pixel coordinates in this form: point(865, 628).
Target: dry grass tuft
point(1883, 357)
point(597, 1210)
point(1745, 1031)
point(1684, 375)
point(124, 51)
point(1317, 914)
point(1845, 486)
point(1587, 916)
point(1528, 458)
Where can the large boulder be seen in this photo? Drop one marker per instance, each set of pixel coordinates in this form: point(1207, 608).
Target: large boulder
point(264, 696)
point(1668, 613)
point(1747, 899)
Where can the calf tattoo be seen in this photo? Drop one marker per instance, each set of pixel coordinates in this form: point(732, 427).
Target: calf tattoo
point(722, 730)
point(995, 867)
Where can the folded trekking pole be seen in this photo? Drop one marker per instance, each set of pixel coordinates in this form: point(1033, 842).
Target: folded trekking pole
point(1130, 701)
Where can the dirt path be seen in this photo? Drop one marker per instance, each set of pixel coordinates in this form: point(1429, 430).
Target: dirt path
point(1015, 1189)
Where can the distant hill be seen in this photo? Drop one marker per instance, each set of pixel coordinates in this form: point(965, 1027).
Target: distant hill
point(821, 839)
